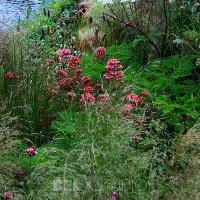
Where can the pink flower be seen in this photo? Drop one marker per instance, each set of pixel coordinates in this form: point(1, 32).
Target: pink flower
point(113, 73)
point(85, 78)
point(98, 85)
point(145, 94)
point(88, 96)
point(51, 117)
point(103, 97)
point(10, 75)
point(127, 24)
point(127, 107)
point(113, 62)
point(78, 72)
point(36, 153)
point(100, 51)
point(63, 81)
point(133, 98)
point(119, 117)
point(17, 77)
point(107, 77)
point(88, 89)
point(52, 60)
point(120, 75)
point(120, 67)
point(64, 53)
point(61, 72)
point(8, 195)
point(95, 59)
point(31, 151)
point(54, 92)
point(24, 74)
point(71, 94)
point(127, 113)
point(20, 172)
point(74, 62)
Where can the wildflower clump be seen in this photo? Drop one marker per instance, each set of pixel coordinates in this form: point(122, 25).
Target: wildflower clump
point(87, 97)
point(113, 71)
point(100, 52)
point(31, 151)
point(133, 98)
point(7, 195)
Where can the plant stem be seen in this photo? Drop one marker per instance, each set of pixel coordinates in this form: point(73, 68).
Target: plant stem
point(140, 31)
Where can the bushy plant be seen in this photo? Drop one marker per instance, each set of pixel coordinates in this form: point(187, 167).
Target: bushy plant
point(173, 83)
point(94, 67)
point(52, 27)
point(106, 159)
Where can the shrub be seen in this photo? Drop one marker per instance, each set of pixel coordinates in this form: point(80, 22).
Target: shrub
point(173, 83)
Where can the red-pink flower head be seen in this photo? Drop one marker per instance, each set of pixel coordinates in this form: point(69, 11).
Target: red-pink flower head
point(98, 85)
point(88, 89)
point(52, 60)
point(113, 62)
point(74, 62)
point(145, 94)
point(100, 51)
point(10, 75)
point(78, 72)
point(120, 75)
point(61, 72)
point(63, 81)
point(17, 77)
point(127, 113)
point(20, 172)
point(64, 53)
point(133, 98)
point(31, 151)
point(71, 94)
point(8, 195)
point(89, 97)
point(103, 97)
point(85, 79)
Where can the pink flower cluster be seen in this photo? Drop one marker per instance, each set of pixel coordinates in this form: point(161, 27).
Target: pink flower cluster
point(64, 53)
point(103, 98)
point(113, 69)
point(70, 83)
point(88, 89)
point(100, 52)
point(31, 151)
point(84, 79)
point(115, 196)
point(87, 97)
point(71, 94)
point(133, 98)
point(74, 62)
point(10, 75)
point(8, 195)
point(145, 94)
